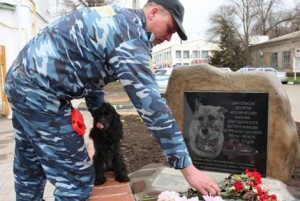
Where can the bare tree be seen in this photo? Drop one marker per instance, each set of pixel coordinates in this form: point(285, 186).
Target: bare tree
point(245, 12)
point(255, 17)
point(272, 19)
point(265, 15)
point(292, 22)
point(224, 30)
point(223, 13)
point(241, 15)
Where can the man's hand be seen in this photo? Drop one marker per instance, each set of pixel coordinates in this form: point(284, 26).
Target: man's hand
point(200, 181)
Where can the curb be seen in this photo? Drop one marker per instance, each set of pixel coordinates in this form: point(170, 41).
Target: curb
point(293, 83)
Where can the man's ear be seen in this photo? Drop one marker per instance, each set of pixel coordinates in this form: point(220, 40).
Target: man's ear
point(153, 12)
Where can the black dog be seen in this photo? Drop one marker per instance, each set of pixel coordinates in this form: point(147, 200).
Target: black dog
point(107, 133)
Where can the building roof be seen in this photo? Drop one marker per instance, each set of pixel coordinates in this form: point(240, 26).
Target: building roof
point(281, 38)
point(176, 41)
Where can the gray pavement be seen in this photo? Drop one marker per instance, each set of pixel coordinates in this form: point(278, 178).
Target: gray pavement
point(7, 145)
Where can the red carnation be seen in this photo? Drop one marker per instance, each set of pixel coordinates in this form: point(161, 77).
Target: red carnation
point(248, 173)
point(249, 183)
point(259, 191)
point(273, 197)
point(238, 185)
point(257, 176)
point(264, 197)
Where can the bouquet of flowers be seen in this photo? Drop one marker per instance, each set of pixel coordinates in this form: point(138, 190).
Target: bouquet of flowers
point(246, 186)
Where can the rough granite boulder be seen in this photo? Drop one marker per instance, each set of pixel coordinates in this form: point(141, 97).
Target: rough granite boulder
point(283, 144)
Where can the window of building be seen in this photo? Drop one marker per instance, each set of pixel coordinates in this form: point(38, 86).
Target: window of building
point(286, 59)
point(274, 59)
point(186, 54)
point(178, 54)
point(205, 54)
point(186, 64)
point(159, 57)
point(196, 54)
point(168, 55)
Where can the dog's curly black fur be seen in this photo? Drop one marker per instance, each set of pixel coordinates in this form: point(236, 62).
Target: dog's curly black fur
point(106, 134)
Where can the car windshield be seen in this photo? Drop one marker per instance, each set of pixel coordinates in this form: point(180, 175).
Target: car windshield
point(246, 69)
point(163, 72)
point(160, 72)
point(225, 69)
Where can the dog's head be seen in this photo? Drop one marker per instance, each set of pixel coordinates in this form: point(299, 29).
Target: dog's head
point(106, 117)
point(206, 130)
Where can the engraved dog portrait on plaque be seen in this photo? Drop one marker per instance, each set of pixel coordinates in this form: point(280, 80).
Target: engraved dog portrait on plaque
point(226, 131)
point(206, 129)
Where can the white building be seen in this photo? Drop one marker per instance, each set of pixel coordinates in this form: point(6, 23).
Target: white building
point(20, 20)
point(190, 52)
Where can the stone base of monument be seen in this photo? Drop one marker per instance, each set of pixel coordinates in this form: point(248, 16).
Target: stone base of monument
point(155, 178)
point(251, 116)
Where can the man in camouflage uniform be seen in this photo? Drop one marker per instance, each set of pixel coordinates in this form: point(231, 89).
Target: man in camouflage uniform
point(75, 57)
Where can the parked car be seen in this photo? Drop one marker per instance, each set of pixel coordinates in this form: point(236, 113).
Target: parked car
point(246, 69)
point(158, 67)
point(281, 75)
point(225, 69)
point(162, 76)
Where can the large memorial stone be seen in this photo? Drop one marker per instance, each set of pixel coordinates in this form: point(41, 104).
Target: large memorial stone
point(282, 140)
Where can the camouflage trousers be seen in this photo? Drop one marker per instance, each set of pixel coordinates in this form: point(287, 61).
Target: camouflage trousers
point(46, 146)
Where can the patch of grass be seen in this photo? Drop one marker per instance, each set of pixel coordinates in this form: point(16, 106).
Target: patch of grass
point(292, 79)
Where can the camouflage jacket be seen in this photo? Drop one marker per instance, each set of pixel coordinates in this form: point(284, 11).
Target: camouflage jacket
point(77, 55)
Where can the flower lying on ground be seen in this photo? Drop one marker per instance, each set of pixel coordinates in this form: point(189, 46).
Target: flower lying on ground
point(174, 196)
point(246, 186)
point(190, 195)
